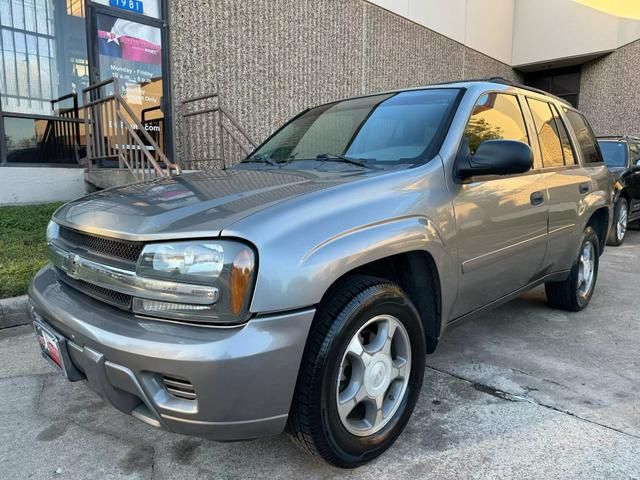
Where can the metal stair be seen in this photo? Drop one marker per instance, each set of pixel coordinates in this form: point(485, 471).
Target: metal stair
point(116, 137)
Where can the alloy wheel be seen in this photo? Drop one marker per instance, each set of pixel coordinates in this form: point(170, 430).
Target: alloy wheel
point(586, 269)
point(373, 375)
point(621, 225)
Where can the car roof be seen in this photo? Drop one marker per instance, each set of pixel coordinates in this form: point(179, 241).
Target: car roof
point(491, 83)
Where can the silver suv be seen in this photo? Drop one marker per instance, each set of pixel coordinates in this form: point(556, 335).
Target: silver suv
point(302, 289)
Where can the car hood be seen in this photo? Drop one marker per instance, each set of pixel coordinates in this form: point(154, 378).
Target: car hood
point(194, 204)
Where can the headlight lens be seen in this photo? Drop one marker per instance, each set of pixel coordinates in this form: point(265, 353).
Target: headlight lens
point(189, 262)
point(53, 231)
point(230, 266)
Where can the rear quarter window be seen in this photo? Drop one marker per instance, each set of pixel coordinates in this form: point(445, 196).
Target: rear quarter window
point(586, 139)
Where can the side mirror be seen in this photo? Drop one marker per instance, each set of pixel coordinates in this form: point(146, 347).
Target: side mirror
point(496, 157)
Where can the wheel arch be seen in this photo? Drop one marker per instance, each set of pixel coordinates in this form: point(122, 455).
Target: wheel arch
point(600, 222)
point(625, 194)
point(417, 274)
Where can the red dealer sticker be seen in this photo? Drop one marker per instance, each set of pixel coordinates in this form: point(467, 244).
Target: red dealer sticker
point(49, 344)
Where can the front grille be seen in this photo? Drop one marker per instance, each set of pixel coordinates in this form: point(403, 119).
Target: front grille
point(179, 387)
point(119, 249)
point(117, 299)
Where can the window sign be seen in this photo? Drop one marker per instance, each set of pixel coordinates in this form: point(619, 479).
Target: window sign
point(131, 52)
point(136, 6)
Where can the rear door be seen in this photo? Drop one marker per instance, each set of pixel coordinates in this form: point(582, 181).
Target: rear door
point(568, 183)
point(501, 220)
point(633, 180)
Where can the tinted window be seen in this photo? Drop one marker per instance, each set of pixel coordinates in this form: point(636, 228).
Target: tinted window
point(614, 153)
point(495, 116)
point(547, 130)
point(563, 83)
point(384, 129)
point(567, 149)
point(584, 134)
point(635, 153)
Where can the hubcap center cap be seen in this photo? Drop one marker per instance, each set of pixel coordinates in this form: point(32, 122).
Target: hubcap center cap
point(377, 375)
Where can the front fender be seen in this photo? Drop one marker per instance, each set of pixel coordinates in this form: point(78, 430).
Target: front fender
point(300, 281)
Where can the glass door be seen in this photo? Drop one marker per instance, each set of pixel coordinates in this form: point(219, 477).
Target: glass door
point(130, 48)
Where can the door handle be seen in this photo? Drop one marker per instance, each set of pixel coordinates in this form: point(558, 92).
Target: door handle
point(584, 188)
point(537, 198)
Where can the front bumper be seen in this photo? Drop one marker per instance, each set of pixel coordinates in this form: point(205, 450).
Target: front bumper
point(243, 377)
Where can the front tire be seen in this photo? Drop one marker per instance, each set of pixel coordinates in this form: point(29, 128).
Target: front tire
point(361, 373)
point(620, 223)
point(574, 293)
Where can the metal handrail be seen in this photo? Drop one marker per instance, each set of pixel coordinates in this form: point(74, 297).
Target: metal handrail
point(61, 135)
point(133, 144)
point(217, 124)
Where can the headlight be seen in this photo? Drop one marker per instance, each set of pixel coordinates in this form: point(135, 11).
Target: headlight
point(227, 265)
point(53, 231)
point(188, 262)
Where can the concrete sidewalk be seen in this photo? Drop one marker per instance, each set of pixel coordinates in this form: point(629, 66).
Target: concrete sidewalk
point(524, 392)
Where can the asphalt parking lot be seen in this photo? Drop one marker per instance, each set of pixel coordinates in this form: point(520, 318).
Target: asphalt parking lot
point(524, 392)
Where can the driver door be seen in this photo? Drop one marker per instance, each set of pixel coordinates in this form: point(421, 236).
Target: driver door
point(501, 220)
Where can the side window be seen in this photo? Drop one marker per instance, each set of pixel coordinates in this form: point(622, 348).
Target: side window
point(635, 153)
point(547, 130)
point(585, 136)
point(567, 149)
point(496, 116)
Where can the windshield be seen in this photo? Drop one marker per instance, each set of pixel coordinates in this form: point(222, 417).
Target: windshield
point(614, 153)
point(395, 128)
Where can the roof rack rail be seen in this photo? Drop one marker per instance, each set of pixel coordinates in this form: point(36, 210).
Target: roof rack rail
point(511, 83)
point(506, 81)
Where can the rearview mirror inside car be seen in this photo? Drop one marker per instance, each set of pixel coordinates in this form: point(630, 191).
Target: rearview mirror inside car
point(496, 157)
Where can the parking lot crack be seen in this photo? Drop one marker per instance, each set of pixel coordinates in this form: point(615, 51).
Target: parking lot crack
point(510, 397)
point(153, 462)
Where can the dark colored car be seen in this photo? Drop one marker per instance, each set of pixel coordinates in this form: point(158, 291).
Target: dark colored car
point(622, 156)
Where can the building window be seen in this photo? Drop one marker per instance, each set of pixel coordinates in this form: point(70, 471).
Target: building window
point(44, 54)
point(75, 8)
point(563, 83)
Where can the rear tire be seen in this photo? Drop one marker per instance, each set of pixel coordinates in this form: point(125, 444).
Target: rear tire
point(575, 292)
point(349, 408)
point(619, 226)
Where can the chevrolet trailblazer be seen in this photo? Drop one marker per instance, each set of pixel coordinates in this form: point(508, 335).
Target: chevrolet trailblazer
point(301, 289)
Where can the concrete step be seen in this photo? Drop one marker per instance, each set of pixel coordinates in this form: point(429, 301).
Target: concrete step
point(101, 178)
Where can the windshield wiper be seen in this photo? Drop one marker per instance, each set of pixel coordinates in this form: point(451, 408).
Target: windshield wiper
point(331, 157)
point(260, 158)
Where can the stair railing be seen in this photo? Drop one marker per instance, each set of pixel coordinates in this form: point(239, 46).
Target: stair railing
point(115, 134)
point(211, 138)
point(61, 139)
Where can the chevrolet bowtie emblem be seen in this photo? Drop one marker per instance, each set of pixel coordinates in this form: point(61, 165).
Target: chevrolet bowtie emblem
point(72, 264)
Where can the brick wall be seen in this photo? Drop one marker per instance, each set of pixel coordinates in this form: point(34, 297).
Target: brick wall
point(610, 92)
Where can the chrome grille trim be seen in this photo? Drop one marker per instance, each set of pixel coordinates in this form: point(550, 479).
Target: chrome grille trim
point(117, 299)
point(128, 282)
